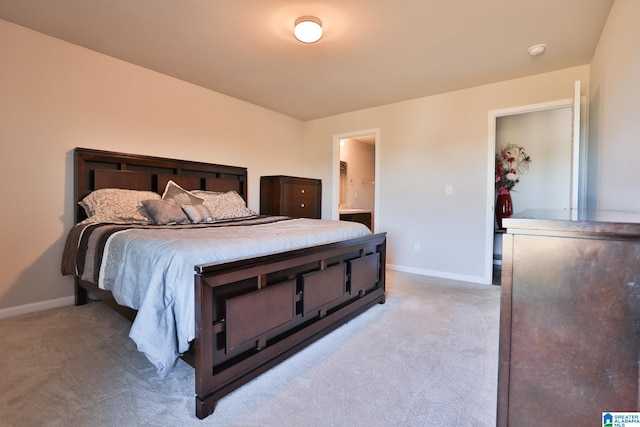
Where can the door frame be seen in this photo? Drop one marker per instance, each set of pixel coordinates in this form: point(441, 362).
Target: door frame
point(578, 162)
point(335, 191)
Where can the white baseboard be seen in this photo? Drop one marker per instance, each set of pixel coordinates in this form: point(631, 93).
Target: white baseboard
point(442, 274)
point(36, 306)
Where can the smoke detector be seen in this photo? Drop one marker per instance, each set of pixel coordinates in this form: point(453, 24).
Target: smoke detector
point(537, 49)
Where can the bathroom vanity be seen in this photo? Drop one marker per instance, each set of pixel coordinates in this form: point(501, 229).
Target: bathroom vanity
point(357, 215)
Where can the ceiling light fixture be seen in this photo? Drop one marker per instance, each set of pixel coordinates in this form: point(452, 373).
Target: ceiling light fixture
point(308, 29)
point(537, 49)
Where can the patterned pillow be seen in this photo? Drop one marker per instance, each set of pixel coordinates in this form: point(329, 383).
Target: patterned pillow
point(197, 213)
point(164, 213)
point(117, 205)
point(178, 195)
point(224, 205)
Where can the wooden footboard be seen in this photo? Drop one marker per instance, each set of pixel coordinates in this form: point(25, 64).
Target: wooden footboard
point(252, 314)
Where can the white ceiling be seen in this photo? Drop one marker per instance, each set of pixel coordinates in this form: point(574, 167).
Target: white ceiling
point(373, 52)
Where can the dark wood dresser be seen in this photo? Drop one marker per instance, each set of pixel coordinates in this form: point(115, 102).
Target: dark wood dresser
point(290, 196)
point(569, 317)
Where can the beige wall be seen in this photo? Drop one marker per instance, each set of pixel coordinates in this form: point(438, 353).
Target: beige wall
point(614, 114)
point(55, 96)
point(426, 144)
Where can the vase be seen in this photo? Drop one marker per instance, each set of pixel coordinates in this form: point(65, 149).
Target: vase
point(504, 208)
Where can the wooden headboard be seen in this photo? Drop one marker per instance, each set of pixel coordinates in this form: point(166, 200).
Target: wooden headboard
point(95, 169)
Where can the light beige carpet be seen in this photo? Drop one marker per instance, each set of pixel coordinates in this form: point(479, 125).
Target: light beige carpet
point(428, 357)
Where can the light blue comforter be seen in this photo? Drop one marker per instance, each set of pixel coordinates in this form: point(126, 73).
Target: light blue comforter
point(152, 271)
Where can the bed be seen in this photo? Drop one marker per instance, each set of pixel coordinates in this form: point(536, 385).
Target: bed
point(257, 289)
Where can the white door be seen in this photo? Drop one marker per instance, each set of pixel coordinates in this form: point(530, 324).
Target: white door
point(577, 184)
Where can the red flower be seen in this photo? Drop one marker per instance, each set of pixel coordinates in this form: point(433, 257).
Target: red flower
point(510, 164)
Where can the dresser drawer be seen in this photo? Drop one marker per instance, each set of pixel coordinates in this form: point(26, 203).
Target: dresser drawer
point(303, 208)
point(296, 190)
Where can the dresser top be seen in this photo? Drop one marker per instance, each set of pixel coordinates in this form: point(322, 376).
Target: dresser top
point(571, 220)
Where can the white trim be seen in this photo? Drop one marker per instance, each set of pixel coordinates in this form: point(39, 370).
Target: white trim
point(36, 306)
point(584, 160)
point(551, 105)
point(575, 146)
point(441, 274)
point(490, 205)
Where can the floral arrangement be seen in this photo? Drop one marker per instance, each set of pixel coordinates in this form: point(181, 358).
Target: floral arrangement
point(511, 163)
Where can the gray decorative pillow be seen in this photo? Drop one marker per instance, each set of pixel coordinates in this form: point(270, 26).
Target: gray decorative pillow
point(197, 213)
point(164, 213)
point(179, 196)
point(224, 205)
point(117, 205)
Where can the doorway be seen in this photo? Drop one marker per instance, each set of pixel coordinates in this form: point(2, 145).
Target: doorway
point(356, 173)
point(546, 137)
point(551, 133)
